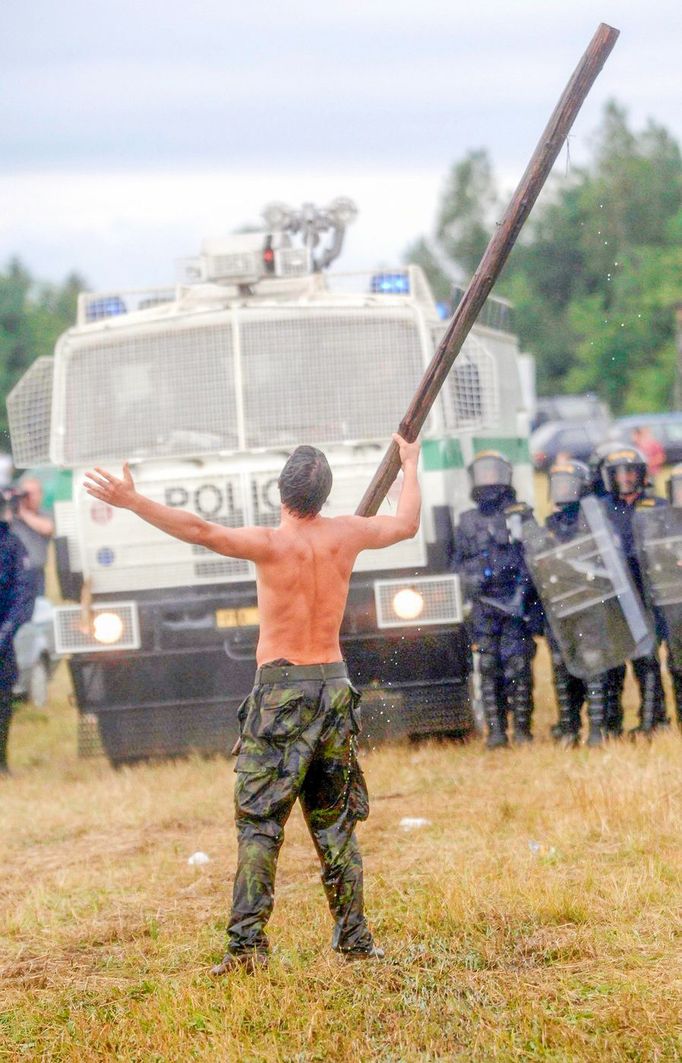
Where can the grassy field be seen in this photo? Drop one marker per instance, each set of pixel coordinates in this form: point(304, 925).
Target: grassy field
point(538, 915)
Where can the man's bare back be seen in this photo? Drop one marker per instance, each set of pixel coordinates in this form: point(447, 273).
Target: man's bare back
point(303, 566)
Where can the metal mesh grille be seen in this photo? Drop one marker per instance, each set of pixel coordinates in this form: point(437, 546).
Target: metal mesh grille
point(314, 377)
point(70, 636)
point(238, 264)
point(416, 710)
point(29, 407)
point(157, 392)
point(129, 734)
point(440, 595)
point(292, 261)
point(471, 391)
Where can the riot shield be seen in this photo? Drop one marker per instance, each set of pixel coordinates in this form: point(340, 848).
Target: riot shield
point(658, 534)
point(588, 595)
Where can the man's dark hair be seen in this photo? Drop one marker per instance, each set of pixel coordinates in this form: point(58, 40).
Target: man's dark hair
point(305, 482)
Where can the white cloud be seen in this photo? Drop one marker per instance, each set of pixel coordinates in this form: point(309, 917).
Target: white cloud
point(130, 136)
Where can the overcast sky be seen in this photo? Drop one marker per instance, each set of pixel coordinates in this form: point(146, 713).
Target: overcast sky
point(131, 130)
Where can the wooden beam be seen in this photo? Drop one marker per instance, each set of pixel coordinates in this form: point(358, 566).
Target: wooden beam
point(493, 260)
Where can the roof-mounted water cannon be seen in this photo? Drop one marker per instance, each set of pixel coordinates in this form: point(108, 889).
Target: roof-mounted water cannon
point(313, 223)
point(243, 259)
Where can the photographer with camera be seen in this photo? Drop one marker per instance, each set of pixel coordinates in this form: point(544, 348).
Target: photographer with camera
point(34, 527)
point(16, 607)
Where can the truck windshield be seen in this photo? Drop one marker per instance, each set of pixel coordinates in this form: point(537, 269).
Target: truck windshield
point(300, 376)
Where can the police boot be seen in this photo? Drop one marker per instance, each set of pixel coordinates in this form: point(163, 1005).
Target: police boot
point(568, 728)
point(596, 690)
point(497, 732)
point(677, 689)
point(651, 695)
point(613, 708)
point(521, 700)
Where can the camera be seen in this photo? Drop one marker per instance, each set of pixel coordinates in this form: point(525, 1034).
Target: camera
point(10, 500)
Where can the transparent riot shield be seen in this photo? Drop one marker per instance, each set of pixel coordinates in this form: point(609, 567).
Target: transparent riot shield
point(658, 533)
point(588, 595)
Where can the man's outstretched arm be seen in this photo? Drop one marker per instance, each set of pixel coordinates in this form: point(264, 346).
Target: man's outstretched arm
point(252, 544)
point(375, 532)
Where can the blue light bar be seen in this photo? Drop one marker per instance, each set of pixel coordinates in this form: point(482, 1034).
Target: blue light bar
point(110, 306)
point(391, 283)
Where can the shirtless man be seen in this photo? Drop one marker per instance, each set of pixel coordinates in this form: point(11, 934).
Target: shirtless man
point(300, 721)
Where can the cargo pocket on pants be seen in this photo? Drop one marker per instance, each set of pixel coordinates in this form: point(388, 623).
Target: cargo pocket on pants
point(358, 797)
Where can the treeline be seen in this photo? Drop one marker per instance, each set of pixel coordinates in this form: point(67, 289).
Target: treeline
point(32, 316)
point(597, 272)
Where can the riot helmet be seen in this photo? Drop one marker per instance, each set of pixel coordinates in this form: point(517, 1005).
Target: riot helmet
point(568, 482)
point(674, 487)
point(490, 468)
point(596, 460)
point(491, 476)
point(624, 471)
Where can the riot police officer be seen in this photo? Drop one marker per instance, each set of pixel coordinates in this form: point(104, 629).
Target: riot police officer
point(489, 557)
point(658, 538)
point(16, 606)
point(613, 716)
point(674, 637)
point(569, 481)
point(624, 475)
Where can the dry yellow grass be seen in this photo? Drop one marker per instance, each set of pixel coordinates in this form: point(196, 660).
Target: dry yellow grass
point(537, 916)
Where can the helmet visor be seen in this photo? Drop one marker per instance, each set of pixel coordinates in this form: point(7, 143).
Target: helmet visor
point(490, 471)
point(625, 479)
point(565, 485)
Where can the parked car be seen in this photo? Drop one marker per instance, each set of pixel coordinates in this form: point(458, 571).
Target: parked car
point(35, 653)
point(570, 408)
point(666, 427)
point(574, 438)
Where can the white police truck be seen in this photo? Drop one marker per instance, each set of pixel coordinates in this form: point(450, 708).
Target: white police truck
point(206, 388)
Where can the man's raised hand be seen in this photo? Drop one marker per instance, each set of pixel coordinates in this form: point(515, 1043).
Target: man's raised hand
point(110, 489)
point(408, 451)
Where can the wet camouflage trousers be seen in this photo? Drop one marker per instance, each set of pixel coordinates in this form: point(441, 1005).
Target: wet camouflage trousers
point(298, 741)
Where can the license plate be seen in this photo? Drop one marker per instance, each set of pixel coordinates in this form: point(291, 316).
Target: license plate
point(247, 616)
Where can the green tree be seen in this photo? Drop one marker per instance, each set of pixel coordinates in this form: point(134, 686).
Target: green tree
point(595, 279)
point(467, 206)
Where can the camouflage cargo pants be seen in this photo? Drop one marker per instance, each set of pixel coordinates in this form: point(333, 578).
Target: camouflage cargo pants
point(298, 741)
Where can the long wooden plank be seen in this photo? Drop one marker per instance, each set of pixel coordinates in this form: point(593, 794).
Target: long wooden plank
point(494, 258)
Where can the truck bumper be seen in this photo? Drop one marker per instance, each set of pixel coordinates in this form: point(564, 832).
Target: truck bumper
point(180, 692)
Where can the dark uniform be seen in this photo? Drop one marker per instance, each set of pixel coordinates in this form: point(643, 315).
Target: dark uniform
point(16, 606)
point(613, 715)
point(298, 740)
point(674, 638)
point(669, 618)
point(489, 558)
point(568, 482)
point(624, 473)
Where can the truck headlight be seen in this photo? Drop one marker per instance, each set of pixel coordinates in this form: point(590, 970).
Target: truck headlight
point(107, 628)
point(408, 604)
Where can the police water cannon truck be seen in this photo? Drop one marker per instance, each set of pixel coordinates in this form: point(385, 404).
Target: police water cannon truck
point(205, 388)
